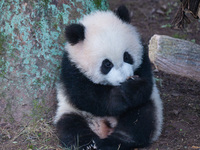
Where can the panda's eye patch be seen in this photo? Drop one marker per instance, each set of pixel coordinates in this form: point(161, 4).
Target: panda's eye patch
point(127, 58)
point(106, 66)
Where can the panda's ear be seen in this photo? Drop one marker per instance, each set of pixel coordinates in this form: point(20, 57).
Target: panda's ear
point(123, 13)
point(75, 33)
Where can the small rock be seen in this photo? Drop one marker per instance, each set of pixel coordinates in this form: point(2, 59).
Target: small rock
point(176, 112)
point(164, 7)
point(159, 11)
point(175, 94)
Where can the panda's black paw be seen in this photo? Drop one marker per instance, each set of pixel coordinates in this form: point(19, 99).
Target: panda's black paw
point(136, 92)
point(132, 88)
point(117, 105)
point(132, 85)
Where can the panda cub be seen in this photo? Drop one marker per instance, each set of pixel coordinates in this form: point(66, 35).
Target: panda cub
point(107, 98)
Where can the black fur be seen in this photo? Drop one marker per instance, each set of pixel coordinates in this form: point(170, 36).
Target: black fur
point(130, 102)
point(123, 13)
point(127, 58)
point(75, 33)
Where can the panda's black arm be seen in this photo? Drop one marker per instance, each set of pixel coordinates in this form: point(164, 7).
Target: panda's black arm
point(133, 92)
point(137, 91)
point(100, 100)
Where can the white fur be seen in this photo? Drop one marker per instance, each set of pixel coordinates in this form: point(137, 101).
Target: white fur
point(120, 74)
point(106, 36)
point(158, 112)
point(64, 106)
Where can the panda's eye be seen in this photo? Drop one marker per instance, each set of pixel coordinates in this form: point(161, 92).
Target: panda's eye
point(106, 66)
point(127, 58)
point(107, 63)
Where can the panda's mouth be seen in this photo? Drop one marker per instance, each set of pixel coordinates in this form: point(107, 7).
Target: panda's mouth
point(105, 82)
point(133, 77)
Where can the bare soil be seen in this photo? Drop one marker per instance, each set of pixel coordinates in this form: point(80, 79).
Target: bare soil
point(180, 95)
point(181, 98)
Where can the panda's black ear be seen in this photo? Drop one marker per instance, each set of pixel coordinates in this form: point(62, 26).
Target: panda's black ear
point(75, 33)
point(123, 13)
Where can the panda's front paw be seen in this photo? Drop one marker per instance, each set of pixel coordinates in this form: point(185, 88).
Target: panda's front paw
point(116, 104)
point(132, 87)
point(133, 84)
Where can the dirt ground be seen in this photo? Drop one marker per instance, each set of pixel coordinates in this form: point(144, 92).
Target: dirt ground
point(181, 96)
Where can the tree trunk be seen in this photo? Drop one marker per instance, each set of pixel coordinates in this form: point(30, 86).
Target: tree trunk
point(199, 11)
point(31, 45)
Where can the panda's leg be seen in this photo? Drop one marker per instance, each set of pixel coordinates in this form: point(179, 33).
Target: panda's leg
point(73, 132)
point(134, 130)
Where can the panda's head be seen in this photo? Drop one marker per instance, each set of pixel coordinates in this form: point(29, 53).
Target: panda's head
point(105, 47)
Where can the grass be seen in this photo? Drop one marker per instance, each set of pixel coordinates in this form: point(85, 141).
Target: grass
point(179, 36)
point(39, 135)
point(168, 25)
point(35, 135)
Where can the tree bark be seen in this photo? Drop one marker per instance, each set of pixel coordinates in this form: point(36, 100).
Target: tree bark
point(31, 44)
point(199, 11)
point(191, 6)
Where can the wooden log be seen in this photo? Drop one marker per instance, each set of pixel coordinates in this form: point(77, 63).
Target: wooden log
point(175, 56)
